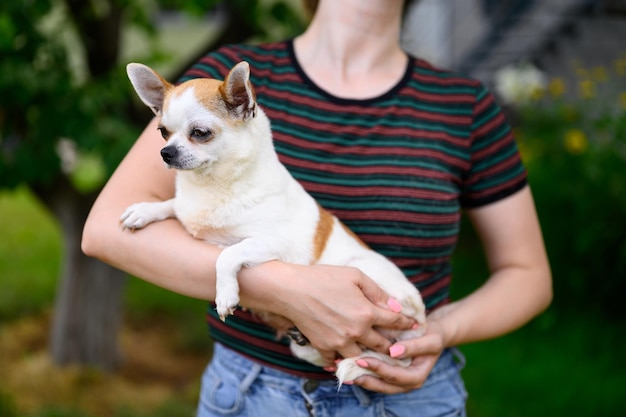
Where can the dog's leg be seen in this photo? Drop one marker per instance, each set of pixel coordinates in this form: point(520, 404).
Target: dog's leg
point(248, 252)
point(139, 215)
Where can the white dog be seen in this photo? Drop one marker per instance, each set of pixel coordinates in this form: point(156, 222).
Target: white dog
point(232, 191)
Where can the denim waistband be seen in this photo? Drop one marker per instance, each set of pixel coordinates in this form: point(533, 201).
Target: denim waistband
point(450, 361)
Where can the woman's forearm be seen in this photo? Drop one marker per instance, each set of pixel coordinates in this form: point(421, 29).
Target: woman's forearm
point(507, 301)
point(520, 286)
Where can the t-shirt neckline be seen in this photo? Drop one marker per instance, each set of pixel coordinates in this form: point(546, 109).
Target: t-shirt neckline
point(342, 100)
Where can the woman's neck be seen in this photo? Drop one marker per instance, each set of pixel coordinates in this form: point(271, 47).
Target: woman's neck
point(351, 48)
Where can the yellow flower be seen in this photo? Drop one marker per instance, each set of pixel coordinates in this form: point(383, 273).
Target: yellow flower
point(556, 87)
point(576, 141)
point(587, 89)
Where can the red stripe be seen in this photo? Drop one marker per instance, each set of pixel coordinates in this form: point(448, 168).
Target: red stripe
point(398, 216)
point(436, 79)
point(436, 286)
point(496, 169)
point(348, 191)
point(440, 98)
point(413, 242)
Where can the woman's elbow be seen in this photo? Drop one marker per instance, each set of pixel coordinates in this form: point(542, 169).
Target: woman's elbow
point(91, 241)
point(546, 292)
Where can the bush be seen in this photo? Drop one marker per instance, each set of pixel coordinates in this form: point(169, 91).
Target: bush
point(575, 151)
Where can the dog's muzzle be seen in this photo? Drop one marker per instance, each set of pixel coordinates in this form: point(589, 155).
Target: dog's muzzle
point(168, 154)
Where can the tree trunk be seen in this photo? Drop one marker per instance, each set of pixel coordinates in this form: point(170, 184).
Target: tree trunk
point(88, 307)
point(88, 310)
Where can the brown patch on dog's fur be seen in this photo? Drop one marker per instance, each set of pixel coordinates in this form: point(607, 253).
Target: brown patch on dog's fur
point(207, 92)
point(224, 98)
point(324, 228)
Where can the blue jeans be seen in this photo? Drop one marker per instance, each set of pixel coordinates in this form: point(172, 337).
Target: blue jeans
point(233, 385)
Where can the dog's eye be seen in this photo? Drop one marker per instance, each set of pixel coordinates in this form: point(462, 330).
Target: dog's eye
point(164, 132)
point(201, 134)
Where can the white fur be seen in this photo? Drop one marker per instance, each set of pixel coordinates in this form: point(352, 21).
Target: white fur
point(232, 191)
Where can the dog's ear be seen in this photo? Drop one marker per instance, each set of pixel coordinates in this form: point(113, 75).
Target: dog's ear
point(149, 85)
point(238, 93)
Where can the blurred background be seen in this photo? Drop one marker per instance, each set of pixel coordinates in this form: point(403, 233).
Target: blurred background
point(78, 338)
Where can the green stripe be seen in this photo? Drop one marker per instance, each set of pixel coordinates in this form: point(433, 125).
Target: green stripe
point(411, 205)
point(493, 160)
point(374, 181)
point(392, 230)
point(444, 90)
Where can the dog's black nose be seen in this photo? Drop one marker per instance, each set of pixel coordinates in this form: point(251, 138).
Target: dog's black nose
point(168, 154)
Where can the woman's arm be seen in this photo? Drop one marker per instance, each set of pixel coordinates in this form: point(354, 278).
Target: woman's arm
point(519, 288)
point(336, 307)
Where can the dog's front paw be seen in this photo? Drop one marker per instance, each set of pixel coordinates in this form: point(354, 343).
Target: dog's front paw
point(226, 303)
point(139, 215)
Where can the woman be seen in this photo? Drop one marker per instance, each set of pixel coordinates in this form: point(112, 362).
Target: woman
point(395, 148)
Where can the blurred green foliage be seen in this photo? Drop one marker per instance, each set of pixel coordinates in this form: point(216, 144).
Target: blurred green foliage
point(575, 151)
point(62, 79)
point(43, 99)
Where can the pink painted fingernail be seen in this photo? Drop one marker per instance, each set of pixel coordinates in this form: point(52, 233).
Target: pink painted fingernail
point(396, 351)
point(348, 382)
point(415, 326)
point(394, 305)
point(330, 368)
point(362, 363)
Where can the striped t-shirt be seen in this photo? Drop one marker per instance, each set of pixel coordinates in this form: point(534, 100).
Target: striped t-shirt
point(396, 169)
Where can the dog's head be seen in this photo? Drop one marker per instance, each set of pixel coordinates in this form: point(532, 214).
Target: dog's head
point(200, 119)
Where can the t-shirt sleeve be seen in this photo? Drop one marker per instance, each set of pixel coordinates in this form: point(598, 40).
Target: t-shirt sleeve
point(496, 169)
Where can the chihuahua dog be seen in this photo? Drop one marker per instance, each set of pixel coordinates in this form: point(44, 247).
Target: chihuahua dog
point(232, 191)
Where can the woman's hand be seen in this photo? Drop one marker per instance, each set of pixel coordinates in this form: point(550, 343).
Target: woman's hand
point(336, 308)
point(393, 379)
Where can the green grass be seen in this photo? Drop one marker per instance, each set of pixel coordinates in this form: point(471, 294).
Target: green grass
point(561, 364)
point(30, 251)
point(552, 367)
